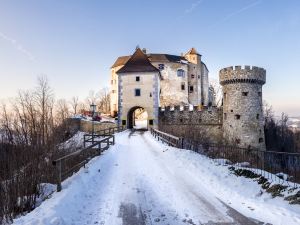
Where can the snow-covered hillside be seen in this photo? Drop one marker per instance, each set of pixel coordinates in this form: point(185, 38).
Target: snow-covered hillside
point(141, 181)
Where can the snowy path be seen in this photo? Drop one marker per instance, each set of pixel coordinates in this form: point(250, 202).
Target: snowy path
point(140, 181)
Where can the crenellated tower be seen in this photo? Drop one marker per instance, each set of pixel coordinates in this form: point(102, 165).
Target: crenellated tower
point(243, 121)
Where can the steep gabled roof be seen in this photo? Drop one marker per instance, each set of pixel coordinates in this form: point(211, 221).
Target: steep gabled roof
point(138, 62)
point(165, 58)
point(192, 51)
point(121, 61)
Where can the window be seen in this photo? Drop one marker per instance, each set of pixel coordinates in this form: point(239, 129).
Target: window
point(181, 120)
point(161, 66)
point(225, 116)
point(191, 89)
point(112, 81)
point(113, 91)
point(257, 116)
point(137, 78)
point(137, 92)
point(237, 141)
point(192, 76)
point(150, 95)
point(237, 116)
point(259, 93)
point(245, 93)
point(123, 122)
point(260, 140)
point(182, 87)
point(150, 122)
point(180, 73)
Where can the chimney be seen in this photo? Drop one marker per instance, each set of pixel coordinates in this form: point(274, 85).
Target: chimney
point(144, 50)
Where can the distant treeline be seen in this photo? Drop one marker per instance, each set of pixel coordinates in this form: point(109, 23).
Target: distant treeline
point(278, 136)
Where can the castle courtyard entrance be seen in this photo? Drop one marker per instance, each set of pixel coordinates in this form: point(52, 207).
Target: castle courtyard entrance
point(137, 118)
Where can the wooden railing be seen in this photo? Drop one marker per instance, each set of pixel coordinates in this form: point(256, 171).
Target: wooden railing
point(94, 145)
point(110, 130)
point(167, 138)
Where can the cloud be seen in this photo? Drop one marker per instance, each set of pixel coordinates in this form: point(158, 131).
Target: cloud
point(18, 46)
point(245, 8)
point(193, 7)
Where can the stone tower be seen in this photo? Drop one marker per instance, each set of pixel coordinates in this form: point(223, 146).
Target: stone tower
point(243, 121)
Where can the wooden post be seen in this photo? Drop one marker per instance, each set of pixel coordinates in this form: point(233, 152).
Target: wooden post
point(58, 170)
point(113, 139)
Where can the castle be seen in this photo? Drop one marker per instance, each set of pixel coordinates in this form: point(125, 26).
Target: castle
point(175, 92)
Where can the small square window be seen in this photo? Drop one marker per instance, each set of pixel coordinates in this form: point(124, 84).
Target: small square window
point(150, 122)
point(245, 93)
point(123, 122)
point(191, 89)
point(137, 92)
point(192, 76)
point(180, 73)
point(259, 94)
point(237, 141)
point(182, 87)
point(257, 116)
point(150, 95)
point(237, 117)
point(260, 140)
point(137, 78)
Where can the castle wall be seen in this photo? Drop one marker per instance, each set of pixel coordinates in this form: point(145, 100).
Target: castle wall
point(114, 91)
point(170, 85)
point(204, 85)
point(202, 125)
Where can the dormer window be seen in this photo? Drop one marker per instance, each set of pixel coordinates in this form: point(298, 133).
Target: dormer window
point(180, 73)
point(161, 66)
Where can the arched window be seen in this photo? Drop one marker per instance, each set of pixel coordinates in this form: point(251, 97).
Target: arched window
point(180, 73)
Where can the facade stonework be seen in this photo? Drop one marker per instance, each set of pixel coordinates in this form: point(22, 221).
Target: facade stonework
point(192, 122)
point(184, 79)
point(175, 93)
point(243, 120)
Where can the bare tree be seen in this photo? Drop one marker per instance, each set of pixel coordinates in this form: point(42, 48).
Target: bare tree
point(74, 104)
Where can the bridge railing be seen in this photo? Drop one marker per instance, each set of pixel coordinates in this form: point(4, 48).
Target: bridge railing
point(110, 130)
point(281, 167)
point(94, 145)
point(169, 139)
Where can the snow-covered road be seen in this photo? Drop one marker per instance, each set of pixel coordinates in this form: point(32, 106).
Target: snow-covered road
point(140, 181)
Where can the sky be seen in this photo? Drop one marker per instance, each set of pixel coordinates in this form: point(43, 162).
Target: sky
point(74, 43)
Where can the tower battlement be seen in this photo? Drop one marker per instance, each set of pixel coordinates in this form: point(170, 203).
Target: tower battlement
point(239, 74)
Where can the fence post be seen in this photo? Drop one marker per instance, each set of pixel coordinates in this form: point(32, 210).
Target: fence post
point(181, 143)
point(58, 171)
point(113, 139)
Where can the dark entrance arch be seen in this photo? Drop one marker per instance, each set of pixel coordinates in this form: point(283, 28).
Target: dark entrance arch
point(131, 117)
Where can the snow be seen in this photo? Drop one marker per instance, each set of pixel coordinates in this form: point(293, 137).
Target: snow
point(142, 181)
point(141, 124)
point(74, 142)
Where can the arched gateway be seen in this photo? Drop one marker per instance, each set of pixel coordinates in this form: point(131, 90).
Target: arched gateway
point(138, 82)
point(137, 118)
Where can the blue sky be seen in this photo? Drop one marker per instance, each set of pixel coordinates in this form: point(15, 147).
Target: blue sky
point(74, 43)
